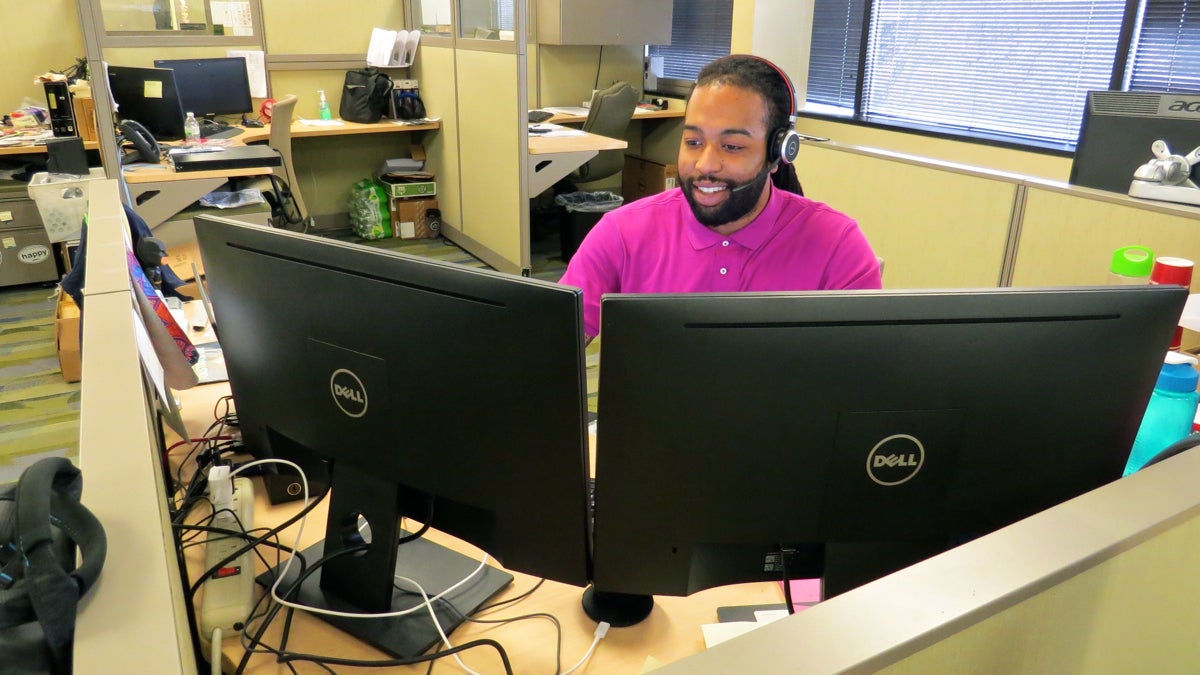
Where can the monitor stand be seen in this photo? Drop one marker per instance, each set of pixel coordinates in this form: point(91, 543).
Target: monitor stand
point(433, 566)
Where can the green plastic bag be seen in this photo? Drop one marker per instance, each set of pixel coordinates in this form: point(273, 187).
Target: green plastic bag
point(369, 213)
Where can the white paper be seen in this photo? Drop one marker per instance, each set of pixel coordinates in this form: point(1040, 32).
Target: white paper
point(392, 48)
point(234, 15)
point(256, 68)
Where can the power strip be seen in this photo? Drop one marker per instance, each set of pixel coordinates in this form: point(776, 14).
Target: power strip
point(228, 596)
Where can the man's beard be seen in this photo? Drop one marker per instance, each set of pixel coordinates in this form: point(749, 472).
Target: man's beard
point(741, 201)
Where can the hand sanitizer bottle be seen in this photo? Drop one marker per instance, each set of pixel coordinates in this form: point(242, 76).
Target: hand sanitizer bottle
point(323, 107)
point(1170, 413)
point(191, 129)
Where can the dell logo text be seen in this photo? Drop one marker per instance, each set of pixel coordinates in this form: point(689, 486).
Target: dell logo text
point(348, 392)
point(895, 460)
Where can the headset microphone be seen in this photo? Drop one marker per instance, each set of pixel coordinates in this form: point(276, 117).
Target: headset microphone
point(767, 166)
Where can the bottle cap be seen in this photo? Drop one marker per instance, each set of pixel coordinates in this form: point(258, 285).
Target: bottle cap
point(1132, 261)
point(1178, 373)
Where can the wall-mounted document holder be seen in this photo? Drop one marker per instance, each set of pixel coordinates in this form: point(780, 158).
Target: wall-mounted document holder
point(1167, 177)
point(392, 48)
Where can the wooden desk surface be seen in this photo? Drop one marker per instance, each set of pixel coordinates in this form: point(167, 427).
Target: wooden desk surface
point(672, 631)
point(31, 149)
point(562, 118)
point(548, 145)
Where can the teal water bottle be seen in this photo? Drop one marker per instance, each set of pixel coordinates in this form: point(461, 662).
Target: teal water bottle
point(1170, 413)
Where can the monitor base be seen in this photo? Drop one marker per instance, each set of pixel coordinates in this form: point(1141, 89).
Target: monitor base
point(433, 566)
point(616, 609)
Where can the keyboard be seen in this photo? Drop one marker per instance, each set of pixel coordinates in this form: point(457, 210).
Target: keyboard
point(536, 116)
point(214, 130)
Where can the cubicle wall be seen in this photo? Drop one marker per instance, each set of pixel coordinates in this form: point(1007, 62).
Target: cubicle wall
point(939, 224)
point(434, 69)
point(492, 141)
point(135, 614)
point(1104, 583)
point(935, 224)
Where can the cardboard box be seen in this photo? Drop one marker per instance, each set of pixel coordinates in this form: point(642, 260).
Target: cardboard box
point(411, 218)
point(85, 118)
point(643, 177)
point(404, 187)
point(180, 258)
point(66, 335)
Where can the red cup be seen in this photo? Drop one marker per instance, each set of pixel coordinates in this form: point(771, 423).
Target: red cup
point(1169, 270)
point(1177, 271)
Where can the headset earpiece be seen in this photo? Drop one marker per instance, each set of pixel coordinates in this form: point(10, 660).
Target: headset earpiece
point(784, 143)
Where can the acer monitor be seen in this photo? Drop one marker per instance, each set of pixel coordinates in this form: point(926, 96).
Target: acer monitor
point(1118, 129)
point(211, 87)
point(149, 97)
point(450, 395)
point(849, 434)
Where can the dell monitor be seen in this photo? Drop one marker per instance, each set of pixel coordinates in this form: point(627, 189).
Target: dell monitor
point(211, 87)
point(149, 97)
point(852, 433)
point(1118, 129)
point(451, 395)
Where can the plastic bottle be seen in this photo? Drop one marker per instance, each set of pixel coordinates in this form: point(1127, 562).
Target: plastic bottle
point(1131, 265)
point(1170, 413)
point(323, 107)
point(191, 129)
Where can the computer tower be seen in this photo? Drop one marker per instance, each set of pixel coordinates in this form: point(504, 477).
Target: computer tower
point(62, 115)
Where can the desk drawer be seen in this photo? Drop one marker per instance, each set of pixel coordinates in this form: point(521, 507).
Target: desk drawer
point(26, 256)
point(19, 214)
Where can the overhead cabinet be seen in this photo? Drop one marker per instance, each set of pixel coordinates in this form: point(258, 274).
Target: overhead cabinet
point(613, 22)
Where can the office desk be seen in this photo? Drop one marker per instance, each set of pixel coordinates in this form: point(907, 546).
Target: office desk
point(552, 158)
point(670, 633)
point(31, 149)
point(160, 193)
point(638, 114)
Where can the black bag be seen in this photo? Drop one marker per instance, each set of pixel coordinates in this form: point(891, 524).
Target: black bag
point(41, 523)
point(365, 96)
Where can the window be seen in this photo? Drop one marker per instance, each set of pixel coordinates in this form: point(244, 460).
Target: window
point(1015, 71)
point(700, 31)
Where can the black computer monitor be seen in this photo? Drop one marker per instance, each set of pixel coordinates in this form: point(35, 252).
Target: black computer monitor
point(148, 96)
point(1118, 129)
point(211, 87)
point(440, 392)
point(852, 433)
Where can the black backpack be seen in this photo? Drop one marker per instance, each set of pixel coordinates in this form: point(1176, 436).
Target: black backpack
point(41, 523)
point(365, 96)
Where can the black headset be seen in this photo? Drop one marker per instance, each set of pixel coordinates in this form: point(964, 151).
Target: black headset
point(784, 143)
point(41, 523)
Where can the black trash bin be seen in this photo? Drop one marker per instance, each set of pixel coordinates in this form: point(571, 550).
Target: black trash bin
point(584, 210)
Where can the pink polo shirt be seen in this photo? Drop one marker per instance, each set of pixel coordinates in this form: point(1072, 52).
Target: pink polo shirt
point(655, 245)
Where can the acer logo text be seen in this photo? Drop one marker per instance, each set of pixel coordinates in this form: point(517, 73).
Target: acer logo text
point(1186, 106)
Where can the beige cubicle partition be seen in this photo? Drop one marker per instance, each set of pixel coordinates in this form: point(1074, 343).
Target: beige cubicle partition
point(434, 69)
point(936, 224)
point(492, 141)
point(134, 618)
point(1068, 234)
point(1104, 583)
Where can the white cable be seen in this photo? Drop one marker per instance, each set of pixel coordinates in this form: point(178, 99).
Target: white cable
point(428, 604)
point(214, 659)
point(601, 631)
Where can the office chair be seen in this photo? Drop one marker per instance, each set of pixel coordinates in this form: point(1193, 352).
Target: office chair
point(281, 141)
point(609, 115)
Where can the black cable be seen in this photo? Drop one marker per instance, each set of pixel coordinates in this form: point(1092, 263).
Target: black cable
point(391, 663)
point(599, 60)
point(509, 601)
point(524, 617)
point(785, 556)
